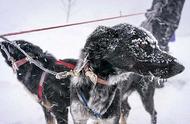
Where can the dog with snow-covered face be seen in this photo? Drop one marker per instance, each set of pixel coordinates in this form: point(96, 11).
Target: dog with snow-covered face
point(115, 57)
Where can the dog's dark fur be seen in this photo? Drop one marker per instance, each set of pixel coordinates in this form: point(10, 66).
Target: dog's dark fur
point(145, 88)
point(113, 52)
point(29, 75)
point(56, 97)
point(109, 54)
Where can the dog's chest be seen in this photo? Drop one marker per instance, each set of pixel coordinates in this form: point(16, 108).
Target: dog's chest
point(101, 98)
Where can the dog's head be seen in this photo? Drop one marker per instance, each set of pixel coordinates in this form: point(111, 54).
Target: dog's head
point(9, 50)
point(128, 48)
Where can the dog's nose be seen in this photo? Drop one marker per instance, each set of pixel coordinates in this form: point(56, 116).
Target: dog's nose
point(177, 68)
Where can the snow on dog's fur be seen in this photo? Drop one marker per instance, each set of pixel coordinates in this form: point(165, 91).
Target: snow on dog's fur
point(120, 55)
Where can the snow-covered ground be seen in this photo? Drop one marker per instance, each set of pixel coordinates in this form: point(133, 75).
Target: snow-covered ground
point(17, 106)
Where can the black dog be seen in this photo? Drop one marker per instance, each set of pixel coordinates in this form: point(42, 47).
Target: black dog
point(114, 56)
point(52, 94)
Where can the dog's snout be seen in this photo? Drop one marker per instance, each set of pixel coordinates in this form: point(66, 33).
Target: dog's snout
point(177, 67)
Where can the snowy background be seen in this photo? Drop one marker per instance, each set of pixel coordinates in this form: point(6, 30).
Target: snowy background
point(17, 107)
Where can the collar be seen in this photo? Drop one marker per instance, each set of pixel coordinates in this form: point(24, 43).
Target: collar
point(93, 77)
point(88, 72)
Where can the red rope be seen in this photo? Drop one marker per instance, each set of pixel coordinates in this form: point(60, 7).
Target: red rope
point(72, 24)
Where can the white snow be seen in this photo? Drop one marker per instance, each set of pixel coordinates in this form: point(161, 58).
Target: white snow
point(17, 107)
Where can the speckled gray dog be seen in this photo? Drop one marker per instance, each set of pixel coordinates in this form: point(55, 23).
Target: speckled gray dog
point(119, 55)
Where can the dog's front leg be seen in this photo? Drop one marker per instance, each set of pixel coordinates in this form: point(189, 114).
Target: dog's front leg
point(122, 119)
point(79, 114)
point(147, 96)
point(49, 118)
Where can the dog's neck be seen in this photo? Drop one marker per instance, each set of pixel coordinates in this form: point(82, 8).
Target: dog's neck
point(102, 69)
point(95, 71)
point(29, 74)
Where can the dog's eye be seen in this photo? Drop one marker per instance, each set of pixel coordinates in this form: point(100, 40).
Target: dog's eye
point(147, 48)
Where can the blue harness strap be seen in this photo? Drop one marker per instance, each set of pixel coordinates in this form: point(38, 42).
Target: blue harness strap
point(85, 102)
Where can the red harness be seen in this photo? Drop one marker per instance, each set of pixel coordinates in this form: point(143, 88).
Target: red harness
point(40, 85)
point(23, 61)
point(66, 64)
point(18, 63)
point(44, 74)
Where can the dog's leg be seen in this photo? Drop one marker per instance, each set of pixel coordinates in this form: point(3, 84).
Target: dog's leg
point(79, 114)
point(111, 120)
point(49, 118)
point(122, 119)
point(147, 97)
point(125, 107)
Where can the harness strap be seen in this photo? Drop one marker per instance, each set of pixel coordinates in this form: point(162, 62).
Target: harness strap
point(18, 63)
point(65, 74)
point(40, 86)
point(93, 77)
point(85, 103)
point(66, 64)
point(44, 74)
point(101, 81)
